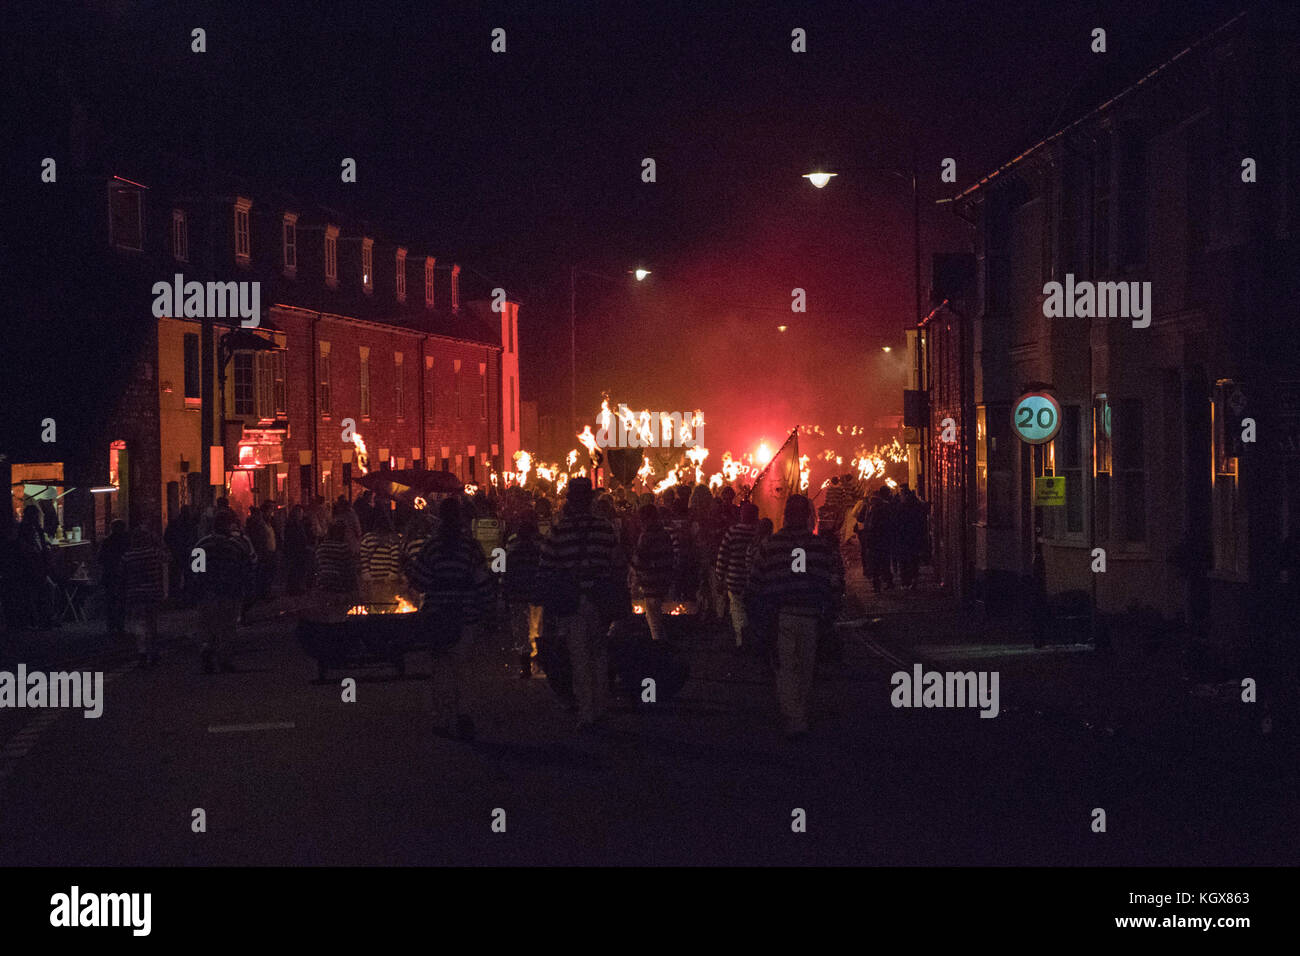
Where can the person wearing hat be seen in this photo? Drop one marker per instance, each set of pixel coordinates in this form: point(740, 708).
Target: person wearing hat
point(583, 550)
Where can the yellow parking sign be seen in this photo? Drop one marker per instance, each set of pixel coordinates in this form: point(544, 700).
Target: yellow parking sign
point(1049, 492)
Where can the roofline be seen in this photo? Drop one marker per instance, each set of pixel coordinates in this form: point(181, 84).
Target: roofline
point(965, 193)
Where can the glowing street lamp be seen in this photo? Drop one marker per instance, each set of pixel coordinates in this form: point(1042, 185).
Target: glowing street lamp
point(782, 328)
point(640, 274)
point(819, 179)
point(886, 348)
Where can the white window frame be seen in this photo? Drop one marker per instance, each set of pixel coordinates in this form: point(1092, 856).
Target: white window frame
point(180, 236)
point(325, 396)
point(243, 236)
point(368, 265)
point(401, 275)
point(332, 256)
point(428, 281)
point(483, 388)
point(289, 242)
point(455, 288)
point(399, 386)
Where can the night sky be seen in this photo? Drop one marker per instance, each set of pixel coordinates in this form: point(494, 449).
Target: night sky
point(519, 165)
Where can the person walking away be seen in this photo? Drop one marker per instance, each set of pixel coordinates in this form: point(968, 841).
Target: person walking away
point(583, 549)
point(262, 538)
point(523, 552)
point(880, 534)
point(732, 567)
point(653, 563)
point(381, 558)
point(452, 575)
point(298, 548)
point(34, 560)
point(799, 595)
point(229, 569)
point(911, 518)
point(111, 553)
point(144, 567)
point(179, 539)
point(338, 570)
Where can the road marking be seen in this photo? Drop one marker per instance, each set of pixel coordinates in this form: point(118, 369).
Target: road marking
point(241, 728)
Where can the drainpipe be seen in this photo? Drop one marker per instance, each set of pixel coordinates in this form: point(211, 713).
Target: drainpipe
point(315, 408)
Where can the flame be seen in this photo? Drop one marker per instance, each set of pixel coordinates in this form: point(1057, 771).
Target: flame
point(891, 482)
point(363, 457)
point(573, 457)
point(764, 454)
point(470, 488)
point(646, 471)
point(803, 473)
point(667, 483)
point(420, 504)
point(715, 480)
point(402, 606)
point(524, 463)
point(696, 457)
point(588, 440)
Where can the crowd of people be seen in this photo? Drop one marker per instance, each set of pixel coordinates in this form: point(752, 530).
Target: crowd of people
point(541, 567)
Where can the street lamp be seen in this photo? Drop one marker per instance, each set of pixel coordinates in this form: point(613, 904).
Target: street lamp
point(819, 179)
point(574, 272)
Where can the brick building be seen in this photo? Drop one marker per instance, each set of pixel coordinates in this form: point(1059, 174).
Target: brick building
point(1147, 188)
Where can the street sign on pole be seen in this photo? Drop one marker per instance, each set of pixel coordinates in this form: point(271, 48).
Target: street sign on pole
point(1036, 417)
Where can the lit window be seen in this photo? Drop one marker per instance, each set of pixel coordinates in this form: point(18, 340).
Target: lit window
point(243, 246)
point(331, 255)
point(126, 216)
point(180, 236)
point(290, 244)
point(428, 281)
point(324, 379)
point(401, 275)
point(367, 265)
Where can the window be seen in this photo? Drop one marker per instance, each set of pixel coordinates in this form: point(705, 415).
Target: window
point(482, 375)
point(365, 382)
point(981, 465)
point(512, 403)
point(1229, 510)
point(244, 396)
point(428, 281)
point(125, 216)
point(1069, 463)
point(1133, 198)
point(510, 331)
point(290, 244)
point(1101, 464)
point(325, 394)
point(280, 390)
point(401, 275)
point(243, 246)
point(331, 256)
point(180, 236)
point(193, 391)
point(455, 288)
point(368, 265)
point(265, 384)
point(1130, 467)
point(399, 386)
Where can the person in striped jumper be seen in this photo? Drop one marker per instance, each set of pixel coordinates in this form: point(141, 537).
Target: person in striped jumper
point(584, 548)
point(732, 568)
point(144, 567)
point(452, 574)
point(228, 566)
point(523, 551)
point(381, 557)
point(337, 568)
point(653, 562)
point(798, 577)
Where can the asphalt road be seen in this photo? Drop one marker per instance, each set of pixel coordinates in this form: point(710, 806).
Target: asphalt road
point(288, 774)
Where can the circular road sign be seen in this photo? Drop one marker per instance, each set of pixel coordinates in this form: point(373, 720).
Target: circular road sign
point(1036, 417)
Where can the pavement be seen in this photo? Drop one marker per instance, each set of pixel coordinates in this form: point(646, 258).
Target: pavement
point(287, 773)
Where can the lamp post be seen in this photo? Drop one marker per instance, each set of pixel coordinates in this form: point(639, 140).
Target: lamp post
point(640, 275)
point(820, 178)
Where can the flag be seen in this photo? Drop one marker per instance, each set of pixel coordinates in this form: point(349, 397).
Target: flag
point(777, 482)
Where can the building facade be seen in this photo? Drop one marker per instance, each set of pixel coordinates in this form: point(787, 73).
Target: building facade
point(1161, 193)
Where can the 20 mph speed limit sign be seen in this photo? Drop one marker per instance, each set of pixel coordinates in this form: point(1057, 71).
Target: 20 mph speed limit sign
point(1036, 417)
